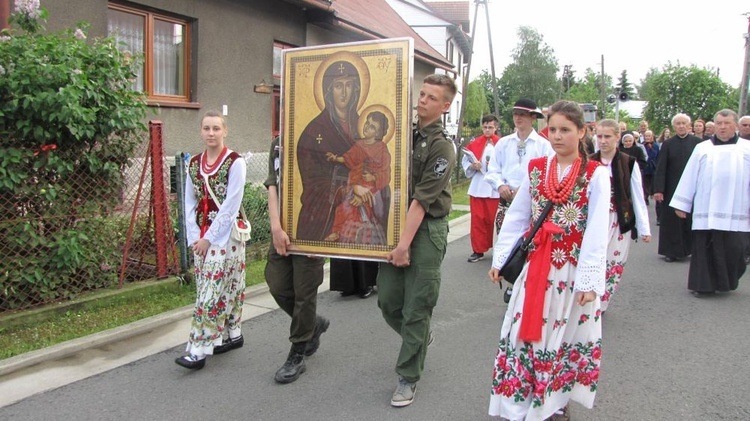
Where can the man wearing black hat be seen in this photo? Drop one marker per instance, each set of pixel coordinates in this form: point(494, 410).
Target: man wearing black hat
point(512, 156)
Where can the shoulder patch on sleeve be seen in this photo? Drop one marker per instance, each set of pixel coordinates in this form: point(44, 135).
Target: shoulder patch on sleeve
point(441, 166)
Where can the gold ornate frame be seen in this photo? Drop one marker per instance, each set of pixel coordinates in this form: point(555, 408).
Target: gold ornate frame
point(384, 72)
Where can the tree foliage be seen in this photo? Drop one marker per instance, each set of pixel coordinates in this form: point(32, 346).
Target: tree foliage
point(643, 88)
point(623, 85)
point(699, 93)
point(69, 124)
point(586, 89)
point(485, 81)
point(532, 74)
point(476, 103)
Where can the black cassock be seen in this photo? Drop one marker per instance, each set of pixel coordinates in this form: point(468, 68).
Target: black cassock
point(674, 232)
point(352, 276)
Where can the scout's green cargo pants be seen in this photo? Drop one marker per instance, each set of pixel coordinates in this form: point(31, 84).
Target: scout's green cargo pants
point(293, 281)
point(407, 295)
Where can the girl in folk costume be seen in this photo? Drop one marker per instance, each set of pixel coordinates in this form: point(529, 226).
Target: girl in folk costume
point(210, 212)
point(627, 210)
point(551, 338)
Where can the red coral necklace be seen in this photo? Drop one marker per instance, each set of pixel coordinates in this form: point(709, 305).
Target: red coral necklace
point(210, 168)
point(559, 192)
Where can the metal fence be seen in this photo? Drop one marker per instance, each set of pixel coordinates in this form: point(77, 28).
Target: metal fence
point(69, 238)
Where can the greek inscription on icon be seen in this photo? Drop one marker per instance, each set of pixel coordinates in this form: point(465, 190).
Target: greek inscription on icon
point(303, 70)
point(384, 63)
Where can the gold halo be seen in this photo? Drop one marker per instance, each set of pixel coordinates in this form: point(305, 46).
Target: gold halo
point(354, 60)
point(388, 115)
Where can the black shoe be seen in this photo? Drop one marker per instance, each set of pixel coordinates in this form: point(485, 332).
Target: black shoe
point(229, 345)
point(321, 325)
point(475, 257)
point(366, 293)
point(189, 361)
point(294, 365)
point(670, 259)
point(347, 293)
point(507, 295)
point(702, 294)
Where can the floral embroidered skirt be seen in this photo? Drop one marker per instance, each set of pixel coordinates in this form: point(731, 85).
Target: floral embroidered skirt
point(617, 255)
point(220, 283)
point(532, 380)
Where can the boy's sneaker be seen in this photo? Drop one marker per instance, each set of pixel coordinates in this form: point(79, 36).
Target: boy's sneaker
point(404, 393)
point(475, 257)
point(507, 295)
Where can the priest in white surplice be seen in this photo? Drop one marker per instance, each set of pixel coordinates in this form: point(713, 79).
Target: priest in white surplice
point(715, 187)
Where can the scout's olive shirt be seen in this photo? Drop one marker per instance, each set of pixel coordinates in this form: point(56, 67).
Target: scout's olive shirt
point(273, 164)
point(432, 163)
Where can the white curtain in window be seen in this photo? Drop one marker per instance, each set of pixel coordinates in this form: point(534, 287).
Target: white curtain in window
point(168, 58)
point(128, 30)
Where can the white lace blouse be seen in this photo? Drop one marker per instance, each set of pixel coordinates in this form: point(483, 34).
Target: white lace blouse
point(591, 268)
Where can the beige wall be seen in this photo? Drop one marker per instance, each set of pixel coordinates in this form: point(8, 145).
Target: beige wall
point(233, 51)
point(234, 44)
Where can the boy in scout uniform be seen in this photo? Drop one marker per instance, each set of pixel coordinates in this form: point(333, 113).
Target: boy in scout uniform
point(408, 285)
point(293, 281)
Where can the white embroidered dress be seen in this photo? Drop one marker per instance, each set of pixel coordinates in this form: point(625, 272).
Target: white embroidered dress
point(619, 243)
point(532, 380)
point(220, 275)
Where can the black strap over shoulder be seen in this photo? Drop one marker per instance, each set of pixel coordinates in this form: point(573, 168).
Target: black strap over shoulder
point(537, 225)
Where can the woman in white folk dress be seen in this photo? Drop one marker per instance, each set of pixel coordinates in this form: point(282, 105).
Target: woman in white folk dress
point(219, 259)
point(551, 338)
point(628, 214)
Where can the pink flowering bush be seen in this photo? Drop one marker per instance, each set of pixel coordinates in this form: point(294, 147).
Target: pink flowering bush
point(69, 123)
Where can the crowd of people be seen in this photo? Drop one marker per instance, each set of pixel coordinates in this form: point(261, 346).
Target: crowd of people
point(698, 177)
point(594, 183)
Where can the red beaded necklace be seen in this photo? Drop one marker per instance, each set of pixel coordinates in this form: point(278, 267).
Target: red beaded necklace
point(208, 169)
point(559, 192)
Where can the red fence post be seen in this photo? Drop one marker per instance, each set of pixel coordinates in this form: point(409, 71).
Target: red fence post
point(159, 202)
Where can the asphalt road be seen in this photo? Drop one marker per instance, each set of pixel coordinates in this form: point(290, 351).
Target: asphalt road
point(667, 356)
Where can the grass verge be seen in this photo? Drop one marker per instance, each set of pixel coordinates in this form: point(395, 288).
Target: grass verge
point(36, 329)
point(460, 193)
point(39, 328)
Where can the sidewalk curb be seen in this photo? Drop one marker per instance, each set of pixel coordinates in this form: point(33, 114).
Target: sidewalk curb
point(119, 333)
point(64, 349)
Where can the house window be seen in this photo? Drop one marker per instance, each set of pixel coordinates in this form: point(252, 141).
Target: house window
point(276, 113)
point(162, 44)
point(449, 50)
point(277, 48)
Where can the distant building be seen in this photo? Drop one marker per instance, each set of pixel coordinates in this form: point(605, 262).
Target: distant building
point(634, 109)
point(445, 26)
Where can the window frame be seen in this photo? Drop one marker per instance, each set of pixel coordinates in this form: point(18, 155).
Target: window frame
point(149, 73)
point(276, 97)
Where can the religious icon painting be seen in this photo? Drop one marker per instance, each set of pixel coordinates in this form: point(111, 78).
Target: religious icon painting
point(346, 125)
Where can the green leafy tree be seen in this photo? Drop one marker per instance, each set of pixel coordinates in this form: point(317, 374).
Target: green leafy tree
point(476, 103)
point(585, 90)
point(485, 80)
point(69, 124)
point(644, 87)
point(532, 74)
point(699, 93)
point(568, 79)
point(623, 85)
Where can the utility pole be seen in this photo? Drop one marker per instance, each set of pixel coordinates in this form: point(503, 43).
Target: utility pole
point(468, 65)
point(745, 72)
point(603, 93)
